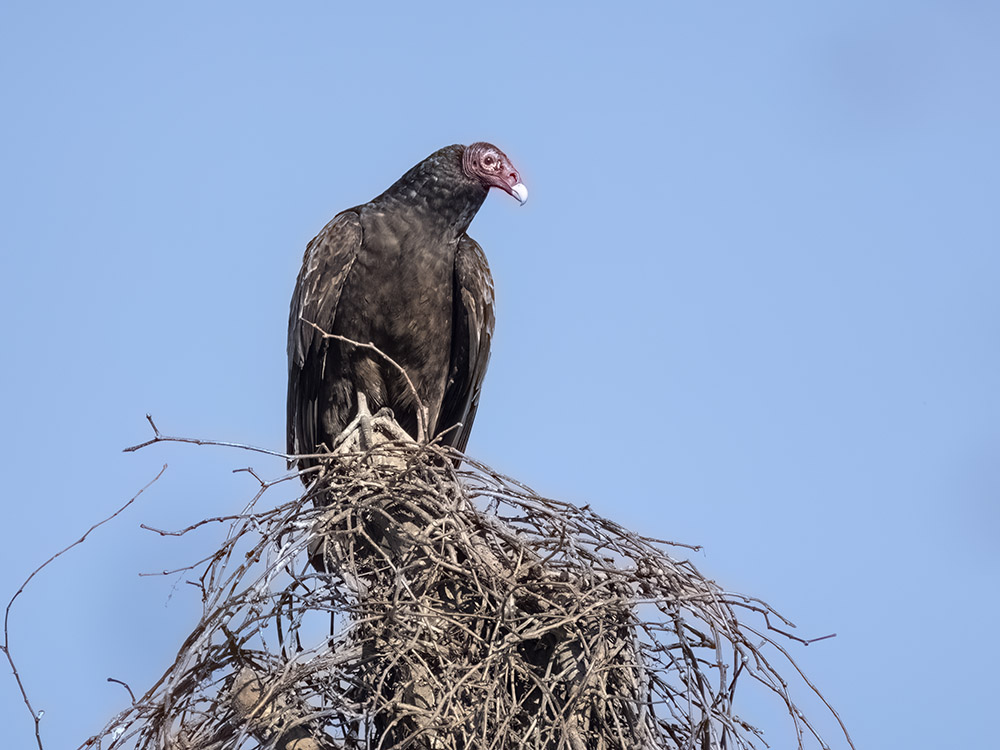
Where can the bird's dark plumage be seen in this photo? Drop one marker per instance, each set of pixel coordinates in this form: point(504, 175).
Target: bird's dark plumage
point(397, 277)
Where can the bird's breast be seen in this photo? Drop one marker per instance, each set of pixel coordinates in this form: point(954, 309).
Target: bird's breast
point(398, 296)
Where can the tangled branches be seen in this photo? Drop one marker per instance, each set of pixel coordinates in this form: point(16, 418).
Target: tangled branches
point(402, 603)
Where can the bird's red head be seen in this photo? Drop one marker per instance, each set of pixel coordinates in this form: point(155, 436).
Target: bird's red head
point(490, 165)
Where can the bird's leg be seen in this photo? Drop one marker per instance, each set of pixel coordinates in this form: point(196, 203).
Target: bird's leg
point(358, 434)
point(366, 436)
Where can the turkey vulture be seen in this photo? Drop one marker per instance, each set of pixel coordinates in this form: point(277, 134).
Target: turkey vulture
point(396, 286)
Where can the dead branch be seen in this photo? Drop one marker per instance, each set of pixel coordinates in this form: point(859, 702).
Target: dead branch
point(6, 648)
point(158, 437)
point(469, 612)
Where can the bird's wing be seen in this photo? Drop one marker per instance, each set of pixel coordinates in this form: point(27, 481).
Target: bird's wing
point(327, 262)
point(472, 332)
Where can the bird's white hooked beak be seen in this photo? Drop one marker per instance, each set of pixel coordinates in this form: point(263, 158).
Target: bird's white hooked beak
point(520, 192)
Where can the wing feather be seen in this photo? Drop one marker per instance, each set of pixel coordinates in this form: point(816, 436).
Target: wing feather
point(472, 333)
point(327, 262)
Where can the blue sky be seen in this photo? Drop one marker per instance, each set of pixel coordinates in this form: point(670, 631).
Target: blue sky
point(751, 304)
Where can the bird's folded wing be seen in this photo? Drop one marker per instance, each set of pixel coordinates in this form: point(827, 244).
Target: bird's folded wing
point(327, 263)
point(472, 333)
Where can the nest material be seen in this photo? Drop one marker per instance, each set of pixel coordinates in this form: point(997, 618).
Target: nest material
point(465, 611)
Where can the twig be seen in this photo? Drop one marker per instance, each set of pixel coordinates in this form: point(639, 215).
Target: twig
point(124, 685)
point(249, 470)
point(36, 717)
point(192, 527)
point(160, 438)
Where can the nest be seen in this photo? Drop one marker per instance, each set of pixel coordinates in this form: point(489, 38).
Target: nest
point(402, 603)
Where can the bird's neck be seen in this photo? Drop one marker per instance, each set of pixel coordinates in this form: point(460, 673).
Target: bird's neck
point(444, 204)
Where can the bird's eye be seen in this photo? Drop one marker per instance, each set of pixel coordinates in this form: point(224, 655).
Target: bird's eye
point(489, 161)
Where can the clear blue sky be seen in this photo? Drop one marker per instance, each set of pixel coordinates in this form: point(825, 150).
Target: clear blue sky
point(752, 303)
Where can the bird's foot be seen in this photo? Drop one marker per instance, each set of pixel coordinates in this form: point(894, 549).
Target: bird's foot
point(366, 431)
point(387, 426)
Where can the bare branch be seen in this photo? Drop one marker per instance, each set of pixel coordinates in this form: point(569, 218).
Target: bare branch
point(160, 438)
point(124, 685)
point(6, 647)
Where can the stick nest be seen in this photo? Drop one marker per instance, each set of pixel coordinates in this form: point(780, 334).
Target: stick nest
point(402, 603)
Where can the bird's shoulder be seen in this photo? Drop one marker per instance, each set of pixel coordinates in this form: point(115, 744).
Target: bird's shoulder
point(472, 272)
point(335, 245)
point(325, 267)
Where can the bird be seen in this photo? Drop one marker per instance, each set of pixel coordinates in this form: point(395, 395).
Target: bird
point(393, 307)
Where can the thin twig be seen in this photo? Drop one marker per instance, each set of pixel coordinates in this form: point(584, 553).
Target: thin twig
point(6, 648)
point(124, 685)
point(160, 438)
